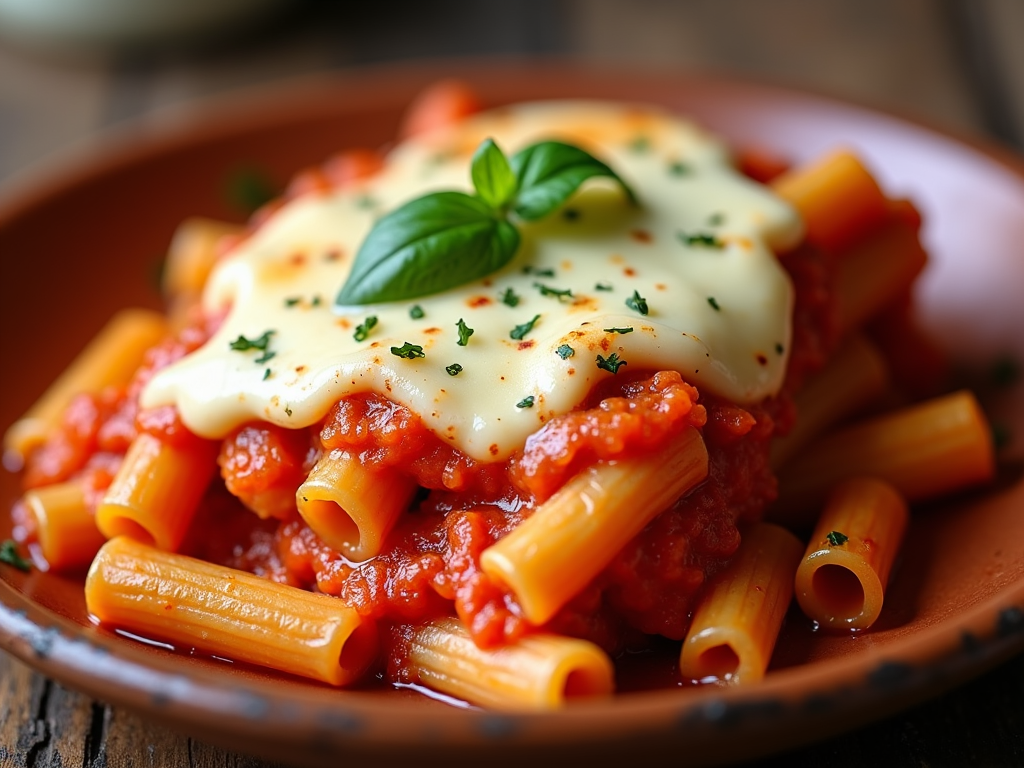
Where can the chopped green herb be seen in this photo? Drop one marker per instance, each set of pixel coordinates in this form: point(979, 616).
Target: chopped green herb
point(703, 239)
point(362, 332)
point(266, 357)
point(520, 331)
point(526, 402)
point(836, 539)
point(249, 188)
point(416, 312)
point(678, 168)
point(611, 363)
point(1001, 436)
point(528, 270)
point(619, 330)
point(714, 304)
point(509, 297)
point(365, 202)
point(266, 374)
point(565, 351)
point(292, 301)
point(637, 303)
point(546, 291)
point(242, 344)
point(603, 287)
point(408, 351)
point(779, 349)
point(1005, 371)
point(464, 333)
point(316, 301)
point(9, 554)
point(288, 410)
point(640, 144)
point(716, 219)
point(454, 369)
point(570, 214)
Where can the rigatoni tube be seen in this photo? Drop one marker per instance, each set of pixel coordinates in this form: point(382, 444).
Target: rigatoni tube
point(572, 536)
point(738, 619)
point(230, 613)
point(538, 672)
point(65, 525)
point(926, 450)
point(842, 578)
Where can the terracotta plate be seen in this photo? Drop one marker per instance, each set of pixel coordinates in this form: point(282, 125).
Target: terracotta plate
point(82, 238)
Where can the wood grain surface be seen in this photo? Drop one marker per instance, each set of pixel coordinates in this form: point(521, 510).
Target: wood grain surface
point(957, 64)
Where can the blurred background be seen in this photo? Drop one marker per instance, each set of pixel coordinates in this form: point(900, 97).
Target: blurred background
point(69, 68)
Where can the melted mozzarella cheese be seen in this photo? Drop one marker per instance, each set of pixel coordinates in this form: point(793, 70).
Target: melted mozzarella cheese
point(718, 315)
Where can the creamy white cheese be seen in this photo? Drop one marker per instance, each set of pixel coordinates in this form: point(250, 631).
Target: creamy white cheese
point(719, 316)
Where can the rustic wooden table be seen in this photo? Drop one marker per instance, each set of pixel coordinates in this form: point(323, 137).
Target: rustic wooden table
point(957, 64)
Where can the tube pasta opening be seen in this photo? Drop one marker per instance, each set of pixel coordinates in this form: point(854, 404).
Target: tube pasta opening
point(842, 578)
point(351, 507)
point(737, 622)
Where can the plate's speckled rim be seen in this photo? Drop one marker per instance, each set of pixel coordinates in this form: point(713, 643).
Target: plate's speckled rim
point(309, 724)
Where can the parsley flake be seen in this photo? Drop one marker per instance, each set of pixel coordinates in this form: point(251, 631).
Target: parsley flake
point(509, 298)
point(716, 219)
point(638, 303)
point(678, 168)
point(714, 304)
point(9, 554)
point(265, 357)
point(547, 291)
point(628, 329)
point(266, 374)
point(408, 351)
point(1005, 371)
point(292, 301)
point(640, 144)
point(520, 331)
point(779, 349)
point(603, 287)
point(454, 369)
point(528, 270)
point(242, 344)
point(464, 333)
point(565, 351)
point(316, 301)
point(836, 539)
point(570, 214)
point(526, 402)
point(362, 332)
point(703, 239)
point(416, 312)
point(288, 410)
point(611, 363)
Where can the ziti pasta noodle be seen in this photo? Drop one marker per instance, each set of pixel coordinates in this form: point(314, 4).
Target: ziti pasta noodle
point(841, 581)
point(504, 397)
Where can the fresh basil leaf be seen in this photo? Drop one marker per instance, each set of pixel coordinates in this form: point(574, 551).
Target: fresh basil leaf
point(428, 245)
point(549, 172)
point(492, 175)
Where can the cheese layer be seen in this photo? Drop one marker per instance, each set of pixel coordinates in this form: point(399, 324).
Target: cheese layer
point(717, 313)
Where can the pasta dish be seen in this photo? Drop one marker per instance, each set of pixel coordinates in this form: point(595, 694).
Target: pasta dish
point(481, 414)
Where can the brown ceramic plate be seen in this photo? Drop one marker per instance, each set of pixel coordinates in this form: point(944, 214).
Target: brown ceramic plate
point(82, 239)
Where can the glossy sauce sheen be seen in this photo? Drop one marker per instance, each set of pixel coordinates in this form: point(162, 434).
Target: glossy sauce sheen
point(718, 315)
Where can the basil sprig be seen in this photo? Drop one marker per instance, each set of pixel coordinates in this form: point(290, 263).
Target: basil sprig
point(446, 239)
